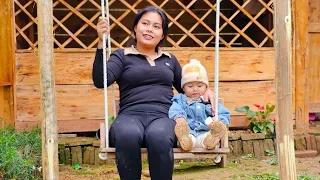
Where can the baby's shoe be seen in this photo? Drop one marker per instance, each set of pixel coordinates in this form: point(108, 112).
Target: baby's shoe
point(182, 132)
point(218, 129)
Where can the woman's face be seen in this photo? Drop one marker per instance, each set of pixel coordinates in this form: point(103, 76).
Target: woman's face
point(149, 30)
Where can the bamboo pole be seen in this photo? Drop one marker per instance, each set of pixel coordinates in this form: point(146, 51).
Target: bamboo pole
point(301, 64)
point(50, 162)
point(283, 65)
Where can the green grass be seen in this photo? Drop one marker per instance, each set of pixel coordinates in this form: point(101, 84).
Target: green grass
point(20, 154)
point(271, 176)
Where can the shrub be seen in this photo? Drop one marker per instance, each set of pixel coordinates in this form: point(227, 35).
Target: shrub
point(20, 154)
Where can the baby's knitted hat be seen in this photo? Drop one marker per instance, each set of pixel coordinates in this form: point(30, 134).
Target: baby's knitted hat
point(194, 71)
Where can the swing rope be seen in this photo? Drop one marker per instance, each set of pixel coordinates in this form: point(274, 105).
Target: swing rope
point(105, 70)
point(216, 75)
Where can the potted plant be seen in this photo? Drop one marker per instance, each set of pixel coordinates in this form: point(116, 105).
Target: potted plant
point(259, 119)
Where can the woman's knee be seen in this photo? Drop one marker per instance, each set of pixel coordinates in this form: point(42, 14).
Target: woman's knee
point(126, 133)
point(160, 136)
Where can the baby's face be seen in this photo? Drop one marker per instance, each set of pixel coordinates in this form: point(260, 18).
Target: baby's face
point(194, 89)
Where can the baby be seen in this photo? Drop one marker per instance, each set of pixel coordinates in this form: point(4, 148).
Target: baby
point(196, 126)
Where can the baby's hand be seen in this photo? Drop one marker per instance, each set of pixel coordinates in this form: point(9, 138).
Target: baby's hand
point(211, 124)
point(209, 121)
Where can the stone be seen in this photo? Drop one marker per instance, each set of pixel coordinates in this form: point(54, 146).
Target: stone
point(76, 155)
point(88, 155)
point(247, 147)
point(252, 136)
point(96, 143)
point(61, 146)
point(67, 155)
point(300, 143)
point(313, 142)
point(236, 147)
point(306, 153)
point(96, 156)
point(76, 141)
point(268, 144)
point(240, 147)
point(275, 145)
point(98, 161)
point(261, 147)
point(256, 149)
point(270, 136)
point(308, 142)
point(233, 136)
point(62, 156)
point(315, 133)
point(318, 143)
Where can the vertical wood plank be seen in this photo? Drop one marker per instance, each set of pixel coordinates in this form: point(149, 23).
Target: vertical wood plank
point(50, 160)
point(301, 64)
point(7, 58)
point(314, 54)
point(283, 81)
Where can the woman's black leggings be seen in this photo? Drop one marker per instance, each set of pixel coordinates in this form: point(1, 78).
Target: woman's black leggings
point(132, 130)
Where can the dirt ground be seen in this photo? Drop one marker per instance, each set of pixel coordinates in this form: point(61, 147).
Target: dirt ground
point(237, 168)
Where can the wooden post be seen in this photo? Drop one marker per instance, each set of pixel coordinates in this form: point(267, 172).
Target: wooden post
point(50, 162)
point(301, 63)
point(7, 65)
point(283, 82)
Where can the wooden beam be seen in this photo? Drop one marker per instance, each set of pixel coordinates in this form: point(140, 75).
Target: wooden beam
point(7, 59)
point(85, 101)
point(64, 126)
point(314, 27)
point(50, 161)
point(76, 67)
point(301, 63)
point(283, 81)
point(314, 107)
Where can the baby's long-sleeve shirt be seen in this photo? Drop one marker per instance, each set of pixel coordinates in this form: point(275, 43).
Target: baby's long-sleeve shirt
point(196, 112)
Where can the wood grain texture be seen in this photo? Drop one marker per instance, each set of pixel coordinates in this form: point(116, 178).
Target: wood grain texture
point(78, 125)
point(314, 64)
point(283, 84)
point(86, 101)
point(89, 125)
point(76, 68)
point(7, 62)
point(301, 64)
point(314, 53)
point(247, 80)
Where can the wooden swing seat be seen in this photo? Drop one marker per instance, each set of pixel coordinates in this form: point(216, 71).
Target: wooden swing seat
point(179, 153)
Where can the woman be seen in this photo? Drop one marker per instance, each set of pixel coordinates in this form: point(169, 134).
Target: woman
point(145, 76)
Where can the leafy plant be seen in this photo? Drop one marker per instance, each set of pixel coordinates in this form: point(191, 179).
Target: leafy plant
point(110, 119)
point(270, 153)
point(259, 120)
point(20, 154)
point(307, 177)
point(248, 156)
point(272, 161)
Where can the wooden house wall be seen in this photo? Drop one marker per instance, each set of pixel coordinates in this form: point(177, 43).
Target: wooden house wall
point(246, 78)
point(246, 59)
